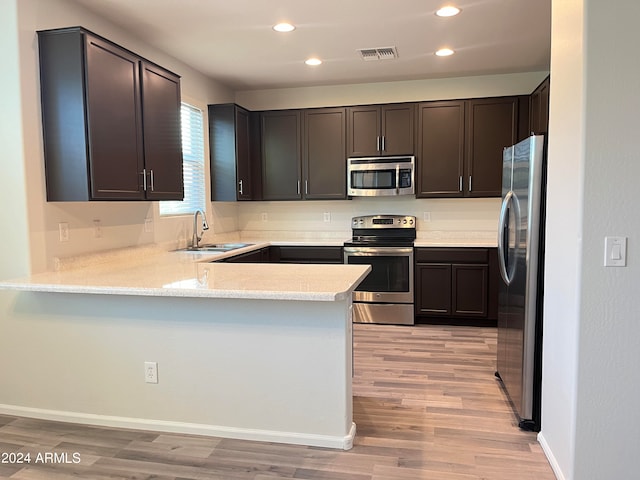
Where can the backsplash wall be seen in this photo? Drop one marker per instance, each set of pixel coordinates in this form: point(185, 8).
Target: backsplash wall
point(307, 218)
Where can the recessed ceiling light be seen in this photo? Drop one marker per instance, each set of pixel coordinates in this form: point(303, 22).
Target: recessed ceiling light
point(284, 27)
point(444, 52)
point(313, 61)
point(448, 11)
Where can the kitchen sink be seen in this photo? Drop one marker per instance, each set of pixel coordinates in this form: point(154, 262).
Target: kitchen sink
point(217, 247)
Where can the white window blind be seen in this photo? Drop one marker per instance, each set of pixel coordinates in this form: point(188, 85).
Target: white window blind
point(192, 164)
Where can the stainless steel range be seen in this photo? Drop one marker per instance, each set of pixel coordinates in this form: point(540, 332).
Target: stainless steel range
point(386, 243)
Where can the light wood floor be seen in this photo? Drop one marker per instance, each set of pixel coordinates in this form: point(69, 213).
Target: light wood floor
point(426, 405)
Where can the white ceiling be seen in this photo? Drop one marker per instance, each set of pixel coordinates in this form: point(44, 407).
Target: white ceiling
point(232, 40)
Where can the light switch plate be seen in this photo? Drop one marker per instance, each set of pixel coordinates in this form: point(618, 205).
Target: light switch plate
point(615, 251)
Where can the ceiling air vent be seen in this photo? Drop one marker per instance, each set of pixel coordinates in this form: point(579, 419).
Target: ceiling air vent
point(382, 53)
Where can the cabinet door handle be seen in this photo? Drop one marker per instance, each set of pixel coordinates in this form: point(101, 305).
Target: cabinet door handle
point(144, 179)
point(240, 188)
point(460, 184)
point(384, 146)
point(378, 143)
point(298, 190)
point(151, 177)
point(469, 182)
point(306, 187)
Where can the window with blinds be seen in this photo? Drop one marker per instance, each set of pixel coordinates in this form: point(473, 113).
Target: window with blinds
point(192, 164)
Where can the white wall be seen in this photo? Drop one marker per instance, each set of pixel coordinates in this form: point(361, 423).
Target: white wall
point(256, 369)
point(563, 237)
point(391, 92)
point(591, 383)
point(14, 254)
point(122, 222)
point(607, 414)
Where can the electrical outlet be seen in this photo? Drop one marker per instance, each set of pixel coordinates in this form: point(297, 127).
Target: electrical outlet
point(427, 216)
point(148, 225)
point(63, 230)
point(327, 217)
point(97, 229)
point(151, 372)
point(264, 217)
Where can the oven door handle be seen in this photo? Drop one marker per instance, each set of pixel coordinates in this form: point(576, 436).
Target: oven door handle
point(369, 251)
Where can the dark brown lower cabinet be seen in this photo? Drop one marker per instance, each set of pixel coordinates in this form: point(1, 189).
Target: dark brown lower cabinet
point(256, 256)
point(469, 290)
point(290, 254)
point(433, 289)
point(306, 254)
point(456, 283)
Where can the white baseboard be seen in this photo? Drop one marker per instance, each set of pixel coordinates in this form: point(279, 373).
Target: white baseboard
point(552, 459)
point(340, 442)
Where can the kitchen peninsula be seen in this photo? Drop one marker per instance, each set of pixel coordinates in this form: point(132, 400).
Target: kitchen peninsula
point(251, 351)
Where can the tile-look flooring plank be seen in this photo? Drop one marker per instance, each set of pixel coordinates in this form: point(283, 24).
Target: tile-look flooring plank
point(426, 405)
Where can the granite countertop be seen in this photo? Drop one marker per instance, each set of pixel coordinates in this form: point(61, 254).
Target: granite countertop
point(455, 243)
point(152, 271)
point(189, 274)
point(455, 239)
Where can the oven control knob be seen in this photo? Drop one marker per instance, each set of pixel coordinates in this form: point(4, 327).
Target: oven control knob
point(411, 221)
point(405, 221)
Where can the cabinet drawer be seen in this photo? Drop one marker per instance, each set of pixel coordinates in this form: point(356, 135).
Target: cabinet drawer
point(452, 255)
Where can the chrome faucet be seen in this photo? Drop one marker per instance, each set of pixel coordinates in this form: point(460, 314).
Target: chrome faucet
point(196, 238)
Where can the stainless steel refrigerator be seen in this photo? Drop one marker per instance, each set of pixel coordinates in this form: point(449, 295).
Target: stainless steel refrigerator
point(521, 255)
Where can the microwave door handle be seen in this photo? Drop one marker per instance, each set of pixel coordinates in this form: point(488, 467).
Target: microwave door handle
point(397, 179)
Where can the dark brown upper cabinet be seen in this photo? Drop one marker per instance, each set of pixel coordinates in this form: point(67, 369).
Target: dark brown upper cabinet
point(460, 144)
point(539, 114)
point(111, 121)
point(491, 126)
point(324, 164)
point(281, 155)
point(234, 155)
point(303, 154)
point(381, 130)
point(440, 168)
point(162, 133)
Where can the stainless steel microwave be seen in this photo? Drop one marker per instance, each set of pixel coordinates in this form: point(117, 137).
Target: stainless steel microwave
point(380, 176)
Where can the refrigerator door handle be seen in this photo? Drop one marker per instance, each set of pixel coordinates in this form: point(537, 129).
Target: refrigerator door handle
point(507, 272)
